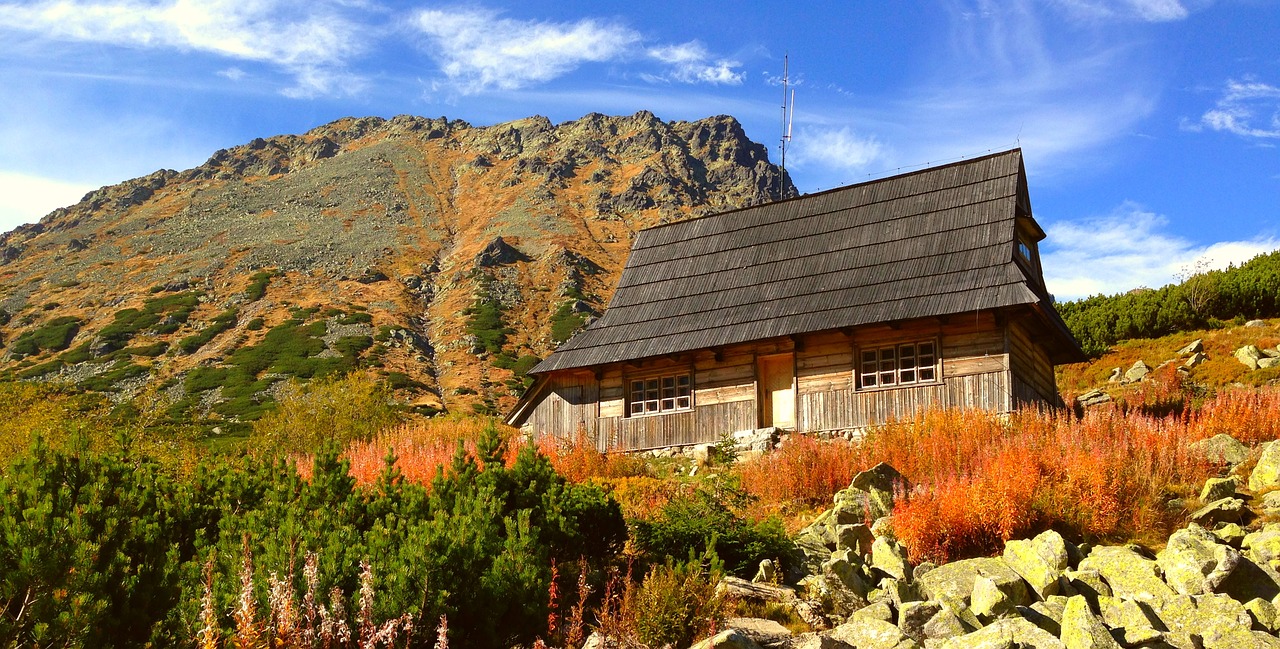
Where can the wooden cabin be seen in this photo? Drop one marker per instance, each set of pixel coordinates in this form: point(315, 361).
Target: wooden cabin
point(828, 312)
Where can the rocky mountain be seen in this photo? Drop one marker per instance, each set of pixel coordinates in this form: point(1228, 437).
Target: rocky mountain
point(444, 256)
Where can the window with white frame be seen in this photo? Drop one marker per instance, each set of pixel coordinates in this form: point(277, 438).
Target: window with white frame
point(903, 364)
point(657, 394)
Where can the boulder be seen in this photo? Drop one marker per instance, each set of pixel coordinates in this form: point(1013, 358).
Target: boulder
point(987, 600)
point(1266, 474)
point(1195, 360)
point(1219, 488)
point(1129, 574)
point(756, 441)
point(876, 611)
point(1117, 375)
point(1220, 449)
point(1252, 579)
point(1223, 510)
point(890, 558)
point(1005, 633)
point(1124, 613)
point(1194, 347)
point(1264, 545)
point(1256, 323)
point(1040, 618)
point(1088, 583)
point(1271, 502)
point(767, 573)
point(947, 624)
point(1093, 398)
point(867, 633)
point(1268, 362)
point(954, 580)
point(1220, 621)
point(1194, 563)
point(879, 483)
point(766, 633)
point(1231, 534)
point(856, 537)
point(818, 641)
point(1040, 561)
point(1081, 629)
point(912, 616)
point(1263, 614)
point(1136, 372)
point(728, 639)
point(1249, 355)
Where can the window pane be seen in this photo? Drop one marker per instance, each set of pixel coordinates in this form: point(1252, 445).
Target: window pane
point(682, 387)
point(669, 404)
point(869, 380)
point(926, 349)
point(886, 355)
point(926, 373)
point(868, 356)
point(637, 407)
point(682, 402)
point(886, 378)
point(907, 376)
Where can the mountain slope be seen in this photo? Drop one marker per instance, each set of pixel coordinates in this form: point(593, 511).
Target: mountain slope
point(443, 255)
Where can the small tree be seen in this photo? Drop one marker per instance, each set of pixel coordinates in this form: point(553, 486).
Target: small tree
point(335, 410)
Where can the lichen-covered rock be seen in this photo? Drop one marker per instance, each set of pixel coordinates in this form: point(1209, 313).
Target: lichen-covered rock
point(879, 483)
point(1194, 562)
point(1137, 372)
point(856, 537)
point(1081, 629)
point(1088, 583)
point(1251, 580)
point(1129, 574)
point(987, 601)
point(1219, 488)
point(1220, 621)
point(1194, 347)
point(1005, 633)
point(1223, 510)
point(868, 633)
point(1220, 449)
point(876, 611)
point(890, 558)
point(730, 639)
point(912, 616)
point(947, 623)
point(1266, 473)
point(1263, 614)
point(1263, 546)
point(1231, 534)
point(954, 580)
point(1249, 355)
point(1117, 613)
point(1040, 561)
point(818, 641)
point(766, 633)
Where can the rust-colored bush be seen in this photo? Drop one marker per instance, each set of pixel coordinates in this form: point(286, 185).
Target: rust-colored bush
point(805, 470)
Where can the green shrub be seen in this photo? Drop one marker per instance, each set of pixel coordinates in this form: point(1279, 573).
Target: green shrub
point(219, 324)
point(258, 283)
point(565, 322)
point(485, 319)
point(327, 411)
point(677, 604)
point(355, 318)
point(54, 335)
point(706, 517)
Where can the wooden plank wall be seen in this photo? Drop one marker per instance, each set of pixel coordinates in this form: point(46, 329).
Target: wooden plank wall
point(979, 363)
point(1036, 382)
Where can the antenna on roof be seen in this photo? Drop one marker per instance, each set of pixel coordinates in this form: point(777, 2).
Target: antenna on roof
point(788, 113)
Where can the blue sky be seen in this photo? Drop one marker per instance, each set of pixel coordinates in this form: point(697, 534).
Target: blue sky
point(1149, 126)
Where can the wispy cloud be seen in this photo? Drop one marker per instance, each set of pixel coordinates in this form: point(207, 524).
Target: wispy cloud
point(1155, 11)
point(692, 63)
point(841, 149)
point(1247, 108)
point(479, 50)
point(312, 41)
point(1130, 248)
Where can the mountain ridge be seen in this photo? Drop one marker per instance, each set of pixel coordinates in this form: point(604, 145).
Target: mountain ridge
point(404, 236)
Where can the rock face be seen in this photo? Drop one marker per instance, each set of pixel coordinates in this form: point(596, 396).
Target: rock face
point(523, 218)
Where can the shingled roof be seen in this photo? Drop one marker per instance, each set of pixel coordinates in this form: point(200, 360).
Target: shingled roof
point(930, 243)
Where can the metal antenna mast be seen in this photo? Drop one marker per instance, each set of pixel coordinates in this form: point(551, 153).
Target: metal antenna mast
point(788, 113)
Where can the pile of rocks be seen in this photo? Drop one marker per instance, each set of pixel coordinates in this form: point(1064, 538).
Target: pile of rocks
point(1213, 586)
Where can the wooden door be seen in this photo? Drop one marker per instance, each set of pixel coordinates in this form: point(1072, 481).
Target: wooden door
point(777, 391)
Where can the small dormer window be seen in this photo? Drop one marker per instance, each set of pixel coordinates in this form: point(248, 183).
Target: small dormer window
point(1025, 250)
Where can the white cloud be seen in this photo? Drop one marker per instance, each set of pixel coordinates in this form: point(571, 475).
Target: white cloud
point(838, 149)
point(310, 40)
point(692, 63)
point(1127, 249)
point(24, 198)
point(233, 73)
point(478, 50)
point(1242, 106)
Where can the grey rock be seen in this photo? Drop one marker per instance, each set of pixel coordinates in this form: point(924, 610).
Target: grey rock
point(1252, 579)
point(1094, 398)
point(913, 616)
point(728, 639)
point(1266, 474)
point(1223, 510)
point(1220, 621)
point(1220, 449)
point(1231, 534)
point(1263, 614)
point(856, 538)
point(1007, 633)
point(1194, 347)
point(1197, 359)
point(1219, 488)
point(1040, 561)
point(954, 580)
point(1137, 372)
point(946, 623)
point(879, 483)
point(1249, 355)
point(1256, 323)
point(987, 601)
point(1128, 574)
point(1268, 363)
point(1081, 629)
point(876, 611)
point(818, 641)
point(766, 573)
point(766, 633)
point(1194, 563)
point(868, 633)
point(1117, 375)
point(890, 558)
